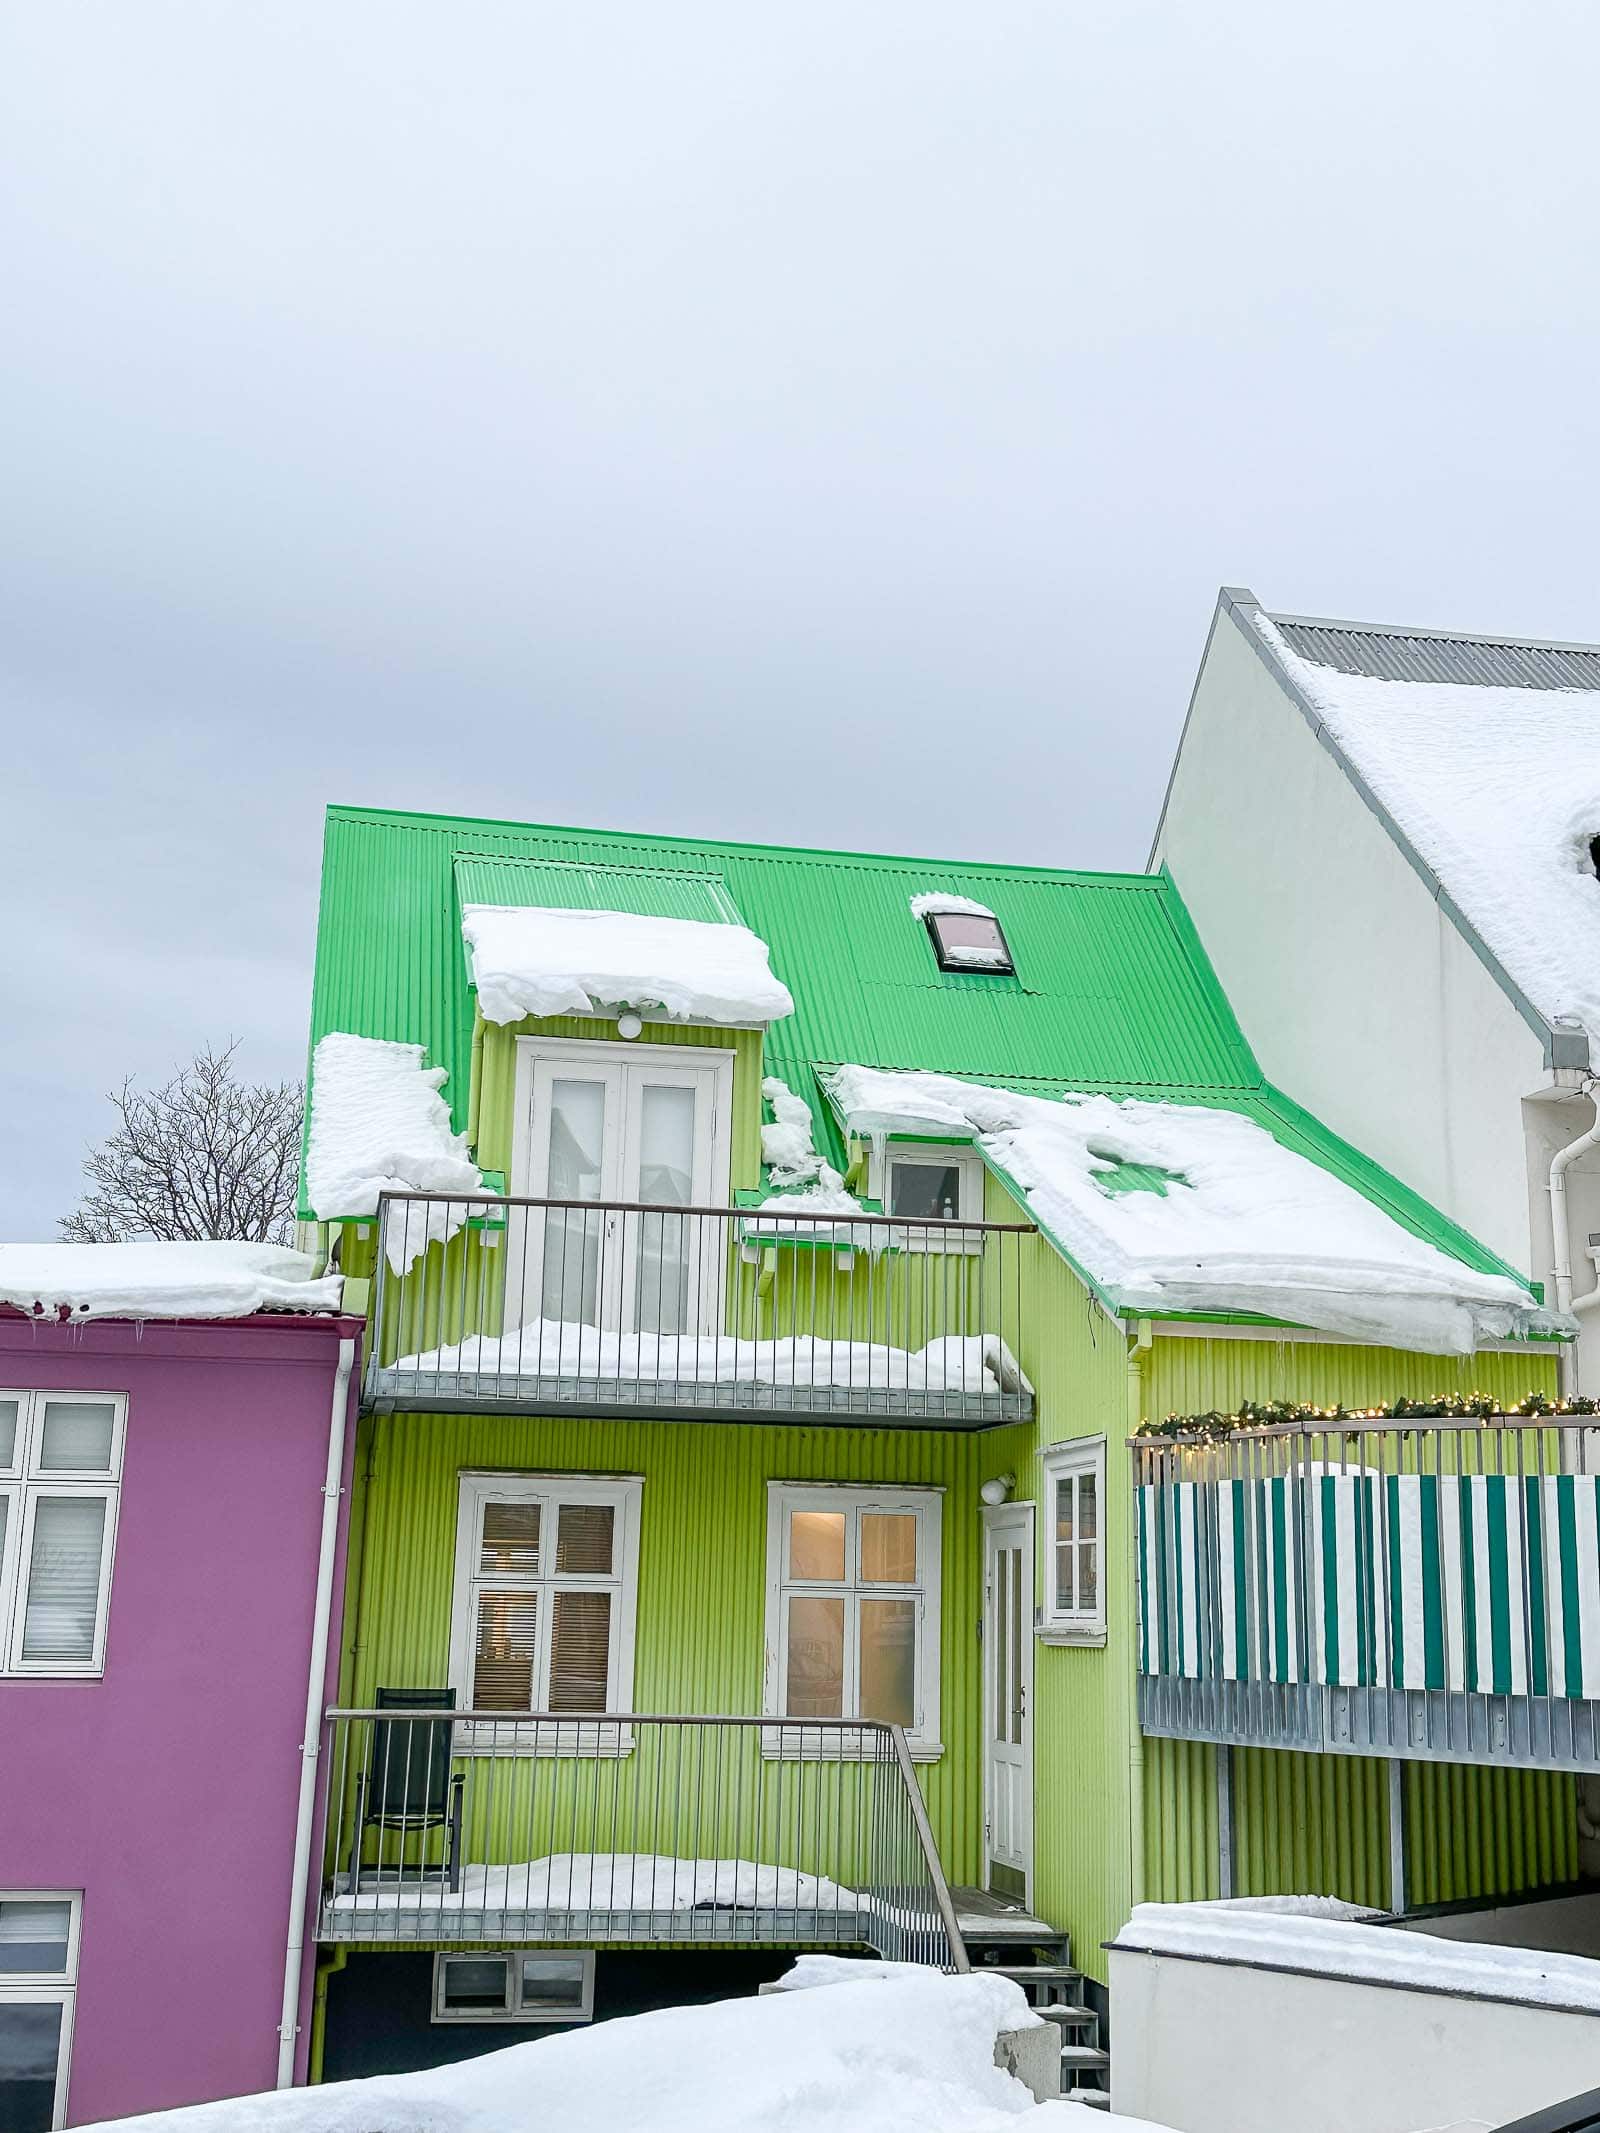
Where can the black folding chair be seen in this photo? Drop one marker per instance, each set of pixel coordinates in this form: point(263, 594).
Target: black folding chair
point(407, 1784)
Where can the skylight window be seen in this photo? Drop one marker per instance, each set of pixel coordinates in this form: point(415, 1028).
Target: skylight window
point(966, 936)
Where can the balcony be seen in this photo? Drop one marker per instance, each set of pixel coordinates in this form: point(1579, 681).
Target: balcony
point(549, 1306)
point(1424, 1589)
point(472, 1826)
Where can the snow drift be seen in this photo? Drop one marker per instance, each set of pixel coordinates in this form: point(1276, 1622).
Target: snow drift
point(158, 1280)
point(529, 961)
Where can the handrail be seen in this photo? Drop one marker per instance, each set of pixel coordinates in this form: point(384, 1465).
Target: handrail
point(770, 1211)
point(613, 1718)
point(930, 1852)
point(1355, 1426)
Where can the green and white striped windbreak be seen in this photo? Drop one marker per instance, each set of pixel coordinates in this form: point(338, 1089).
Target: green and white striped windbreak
point(1484, 1582)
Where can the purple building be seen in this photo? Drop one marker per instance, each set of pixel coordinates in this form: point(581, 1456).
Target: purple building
point(170, 1564)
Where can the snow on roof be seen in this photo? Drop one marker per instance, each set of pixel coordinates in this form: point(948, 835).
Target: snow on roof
point(1498, 790)
point(883, 2051)
point(529, 961)
point(149, 1279)
point(1181, 1208)
point(933, 900)
point(1299, 1934)
point(379, 1124)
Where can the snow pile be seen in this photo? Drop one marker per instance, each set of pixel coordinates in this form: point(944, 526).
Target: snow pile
point(896, 2053)
point(787, 1147)
point(978, 1363)
point(615, 1881)
point(156, 1280)
point(927, 905)
point(1240, 1224)
point(528, 961)
point(1303, 1937)
point(379, 1124)
point(1498, 789)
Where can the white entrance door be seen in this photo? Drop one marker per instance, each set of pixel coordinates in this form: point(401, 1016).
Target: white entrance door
point(623, 1133)
point(1008, 1696)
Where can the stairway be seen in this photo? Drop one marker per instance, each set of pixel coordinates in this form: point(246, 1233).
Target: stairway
point(1006, 1939)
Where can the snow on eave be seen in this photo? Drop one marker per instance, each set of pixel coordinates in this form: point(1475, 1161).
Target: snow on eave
point(149, 1278)
point(530, 960)
point(933, 901)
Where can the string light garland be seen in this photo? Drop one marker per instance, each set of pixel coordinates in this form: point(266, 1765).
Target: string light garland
point(1289, 1414)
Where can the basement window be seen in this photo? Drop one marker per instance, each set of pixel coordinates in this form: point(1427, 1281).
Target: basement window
point(970, 941)
point(514, 1985)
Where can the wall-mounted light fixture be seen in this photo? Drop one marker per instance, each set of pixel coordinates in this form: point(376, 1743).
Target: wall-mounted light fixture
point(998, 1491)
point(628, 1025)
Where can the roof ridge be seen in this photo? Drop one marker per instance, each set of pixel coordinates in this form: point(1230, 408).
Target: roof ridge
point(1492, 639)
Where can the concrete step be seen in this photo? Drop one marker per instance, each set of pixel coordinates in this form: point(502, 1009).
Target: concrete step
point(1033, 1973)
point(1067, 2017)
point(1084, 2059)
point(1096, 2099)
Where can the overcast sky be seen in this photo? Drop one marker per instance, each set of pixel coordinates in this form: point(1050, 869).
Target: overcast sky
point(824, 424)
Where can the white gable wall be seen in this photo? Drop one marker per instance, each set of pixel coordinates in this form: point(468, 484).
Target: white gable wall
point(1360, 998)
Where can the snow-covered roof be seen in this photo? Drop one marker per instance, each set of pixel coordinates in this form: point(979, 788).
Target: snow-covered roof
point(1178, 1208)
point(148, 1279)
point(1494, 782)
point(935, 900)
point(379, 1124)
point(530, 961)
point(1329, 1939)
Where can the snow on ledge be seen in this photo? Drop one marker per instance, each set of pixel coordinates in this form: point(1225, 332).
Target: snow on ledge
point(932, 902)
point(379, 1124)
point(1311, 1933)
point(1241, 1222)
point(530, 961)
point(149, 1279)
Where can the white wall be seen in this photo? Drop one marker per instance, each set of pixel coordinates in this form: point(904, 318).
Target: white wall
point(1560, 1925)
point(1210, 2047)
point(1360, 1000)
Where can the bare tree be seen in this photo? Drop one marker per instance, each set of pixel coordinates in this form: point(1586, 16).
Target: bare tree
point(204, 1156)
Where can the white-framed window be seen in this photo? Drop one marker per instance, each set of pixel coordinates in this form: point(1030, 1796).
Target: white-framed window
point(514, 1985)
point(853, 1609)
point(546, 1584)
point(1074, 1526)
point(931, 1180)
point(60, 1475)
point(38, 1987)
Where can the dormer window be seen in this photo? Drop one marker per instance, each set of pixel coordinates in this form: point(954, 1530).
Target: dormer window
point(966, 936)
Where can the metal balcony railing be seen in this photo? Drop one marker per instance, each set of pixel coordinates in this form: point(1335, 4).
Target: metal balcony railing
point(475, 1826)
point(546, 1306)
point(1412, 1588)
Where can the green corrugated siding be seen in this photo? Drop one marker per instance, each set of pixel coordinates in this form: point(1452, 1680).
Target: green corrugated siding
point(1192, 1376)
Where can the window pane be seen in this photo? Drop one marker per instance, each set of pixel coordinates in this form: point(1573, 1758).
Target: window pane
point(5, 1521)
point(507, 1647)
point(553, 1981)
point(816, 1544)
point(888, 1661)
point(8, 1432)
point(1088, 1575)
point(571, 1235)
point(1065, 1601)
point(77, 1437)
point(925, 1190)
point(33, 1936)
point(474, 1984)
point(816, 1657)
point(1001, 1618)
point(64, 1578)
point(1088, 1529)
point(584, 1538)
point(580, 1649)
point(889, 1547)
point(666, 1146)
point(1064, 1518)
point(967, 939)
point(1017, 1646)
point(30, 2047)
point(510, 1540)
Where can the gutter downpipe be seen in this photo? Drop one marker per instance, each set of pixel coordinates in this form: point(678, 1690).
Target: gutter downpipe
point(1139, 1349)
point(1561, 1227)
point(316, 1682)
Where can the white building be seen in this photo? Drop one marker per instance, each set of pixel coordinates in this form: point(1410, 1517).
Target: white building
point(1387, 839)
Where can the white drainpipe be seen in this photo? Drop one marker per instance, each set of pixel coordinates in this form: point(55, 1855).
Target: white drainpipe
point(1561, 1221)
point(305, 1814)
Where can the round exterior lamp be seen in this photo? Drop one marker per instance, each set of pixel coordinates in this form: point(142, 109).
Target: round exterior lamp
point(998, 1491)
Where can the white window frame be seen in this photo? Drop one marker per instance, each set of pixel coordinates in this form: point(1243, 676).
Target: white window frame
point(1065, 1463)
point(800, 1739)
point(581, 1737)
point(959, 1156)
point(514, 2009)
point(50, 1988)
point(22, 1483)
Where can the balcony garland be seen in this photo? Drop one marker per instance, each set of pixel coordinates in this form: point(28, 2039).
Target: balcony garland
point(1280, 1414)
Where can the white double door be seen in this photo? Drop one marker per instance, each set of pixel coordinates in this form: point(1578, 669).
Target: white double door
point(621, 1135)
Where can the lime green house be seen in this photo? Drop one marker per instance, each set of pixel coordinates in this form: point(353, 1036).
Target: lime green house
point(769, 1257)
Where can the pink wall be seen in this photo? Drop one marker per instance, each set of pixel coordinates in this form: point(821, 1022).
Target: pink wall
point(166, 1790)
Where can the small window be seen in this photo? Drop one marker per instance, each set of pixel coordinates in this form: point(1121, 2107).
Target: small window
point(60, 1470)
point(1074, 1481)
point(969, 941)
point(853, 1607)
point(38, 1980)
point(932, 1183)
point(515, 1985)
point(546, 1572)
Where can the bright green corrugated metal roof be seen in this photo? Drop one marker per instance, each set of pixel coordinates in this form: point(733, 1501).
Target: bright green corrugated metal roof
point(1112, 991)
